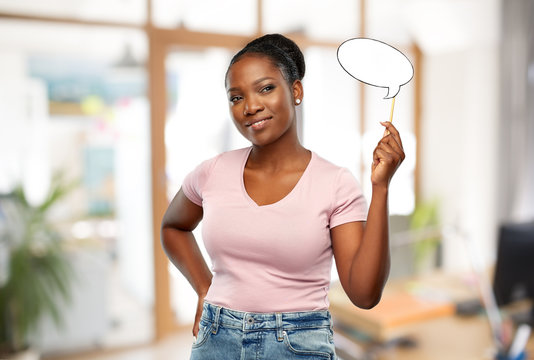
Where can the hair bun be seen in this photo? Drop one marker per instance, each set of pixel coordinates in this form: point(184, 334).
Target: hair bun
point(288, 46)
point(281, 51)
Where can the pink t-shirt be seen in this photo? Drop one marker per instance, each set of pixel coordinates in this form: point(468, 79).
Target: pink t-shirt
point(276, 257)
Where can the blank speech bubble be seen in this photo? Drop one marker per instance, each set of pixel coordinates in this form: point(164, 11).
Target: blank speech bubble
point(375, 63)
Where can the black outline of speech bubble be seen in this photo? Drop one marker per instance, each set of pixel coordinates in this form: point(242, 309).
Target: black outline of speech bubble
point(384, 87)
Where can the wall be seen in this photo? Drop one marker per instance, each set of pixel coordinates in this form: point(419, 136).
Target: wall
point(460, 110)
point(460, 146)
point(460, 142)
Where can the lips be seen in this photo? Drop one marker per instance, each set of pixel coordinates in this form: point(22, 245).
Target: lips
point(257, 124)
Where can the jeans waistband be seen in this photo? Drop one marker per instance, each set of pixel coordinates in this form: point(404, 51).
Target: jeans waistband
point(251, 321)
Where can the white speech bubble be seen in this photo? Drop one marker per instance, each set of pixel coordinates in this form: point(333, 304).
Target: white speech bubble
point(375, 63)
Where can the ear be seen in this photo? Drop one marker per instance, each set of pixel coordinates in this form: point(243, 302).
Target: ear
point(298, 91)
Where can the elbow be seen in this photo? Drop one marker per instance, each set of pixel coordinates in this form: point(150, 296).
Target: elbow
point(171, 237)
point(163, 237)
point(366, 300)
point(166, 231)
point(368, 293)
point(366, 304)
point(167, 235)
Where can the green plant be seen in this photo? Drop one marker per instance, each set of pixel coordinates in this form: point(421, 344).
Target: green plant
point(425, 224)
point(38, 270)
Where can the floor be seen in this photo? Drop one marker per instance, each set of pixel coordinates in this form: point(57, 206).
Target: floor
point(174, 347)
point(128, 335)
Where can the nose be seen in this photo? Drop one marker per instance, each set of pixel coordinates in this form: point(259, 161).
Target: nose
point(252, 106)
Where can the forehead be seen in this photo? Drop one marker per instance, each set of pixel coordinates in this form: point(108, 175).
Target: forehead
point(250, 68)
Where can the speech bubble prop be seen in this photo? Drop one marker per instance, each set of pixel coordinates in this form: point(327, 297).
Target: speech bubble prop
point(375, 63)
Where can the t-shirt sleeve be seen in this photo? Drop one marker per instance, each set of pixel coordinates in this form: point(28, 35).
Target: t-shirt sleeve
point(349, 204)
point(194, 182)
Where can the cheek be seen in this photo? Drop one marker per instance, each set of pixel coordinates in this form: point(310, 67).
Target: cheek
point(235, 116)
point(234, 112)
point(277, 105)
point(283, 108)
point(284, 101)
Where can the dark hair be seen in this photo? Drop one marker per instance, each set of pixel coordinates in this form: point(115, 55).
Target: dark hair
point(283, 52)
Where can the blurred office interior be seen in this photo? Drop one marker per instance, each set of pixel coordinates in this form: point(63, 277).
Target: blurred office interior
point(124, 97)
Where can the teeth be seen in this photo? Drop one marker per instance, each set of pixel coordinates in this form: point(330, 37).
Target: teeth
point(259, 122)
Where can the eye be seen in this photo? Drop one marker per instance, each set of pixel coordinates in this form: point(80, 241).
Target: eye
point(234, 99)
point(267, 88)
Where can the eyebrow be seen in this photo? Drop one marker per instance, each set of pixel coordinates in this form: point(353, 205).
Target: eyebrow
point(254, 83)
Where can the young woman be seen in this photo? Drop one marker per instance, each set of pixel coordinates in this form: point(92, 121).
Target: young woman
point(273, 215)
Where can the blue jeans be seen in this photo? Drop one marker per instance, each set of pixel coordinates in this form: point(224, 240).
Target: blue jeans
point(234, 335)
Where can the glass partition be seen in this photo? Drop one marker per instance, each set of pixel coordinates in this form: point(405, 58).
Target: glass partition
point(198, 127)
point(331, 121)
point(314, 18)
point(229, 16)
point(122, 11)
point(66, 108)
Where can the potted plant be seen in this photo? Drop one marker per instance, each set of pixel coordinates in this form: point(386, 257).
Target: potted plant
point(35, 271)
point(425, 224)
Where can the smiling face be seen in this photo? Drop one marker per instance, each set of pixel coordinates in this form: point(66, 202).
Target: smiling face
point(261, 100)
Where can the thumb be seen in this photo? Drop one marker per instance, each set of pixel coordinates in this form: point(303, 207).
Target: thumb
point(386, 131)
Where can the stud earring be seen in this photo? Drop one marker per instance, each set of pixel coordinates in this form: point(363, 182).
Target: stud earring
point(297, 101)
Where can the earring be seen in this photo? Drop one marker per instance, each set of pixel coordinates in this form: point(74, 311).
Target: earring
point(297, 101)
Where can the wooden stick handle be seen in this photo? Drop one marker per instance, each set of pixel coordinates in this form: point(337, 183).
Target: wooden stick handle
point(391, 114)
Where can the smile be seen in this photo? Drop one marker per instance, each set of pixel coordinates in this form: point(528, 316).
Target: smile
point(258, 124)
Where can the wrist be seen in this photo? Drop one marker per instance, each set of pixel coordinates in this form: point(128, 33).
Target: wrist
point(202, 295)
point(382, 189)
point(202, 292)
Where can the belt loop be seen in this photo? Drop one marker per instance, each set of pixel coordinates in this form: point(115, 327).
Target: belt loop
point(216, 319)
point(279, 330)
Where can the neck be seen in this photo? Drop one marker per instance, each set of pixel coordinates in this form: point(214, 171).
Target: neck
point(278, 155)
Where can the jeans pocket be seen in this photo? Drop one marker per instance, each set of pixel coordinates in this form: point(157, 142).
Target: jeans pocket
point(331, 335)
point(310, 343)
point(203, 334)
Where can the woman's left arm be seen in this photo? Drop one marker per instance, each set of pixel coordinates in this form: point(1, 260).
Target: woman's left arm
point(361, 249)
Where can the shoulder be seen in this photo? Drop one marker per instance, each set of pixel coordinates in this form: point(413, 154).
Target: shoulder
point(340, 180)
point(234, 155)
point(217, 167)
point(330, 170)
point(225, 158)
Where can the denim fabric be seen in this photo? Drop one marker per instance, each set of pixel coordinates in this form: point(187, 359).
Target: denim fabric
point(234, 335)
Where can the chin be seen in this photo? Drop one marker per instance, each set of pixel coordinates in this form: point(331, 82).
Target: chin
point(263, 140)
point(258, 143)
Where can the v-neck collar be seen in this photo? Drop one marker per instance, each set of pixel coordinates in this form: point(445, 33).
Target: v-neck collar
point(282, 200)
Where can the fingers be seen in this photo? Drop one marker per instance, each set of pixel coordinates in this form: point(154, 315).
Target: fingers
point(196, 327)
point(388, 154)
point(389, 144)
point(392, 144)
point(196, 324)
point(393, 139)
point(389, 151)
point(392, 131)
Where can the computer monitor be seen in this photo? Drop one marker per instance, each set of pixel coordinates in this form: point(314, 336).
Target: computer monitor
point(514, 271)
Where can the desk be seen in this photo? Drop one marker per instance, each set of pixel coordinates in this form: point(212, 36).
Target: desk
point(438, 335)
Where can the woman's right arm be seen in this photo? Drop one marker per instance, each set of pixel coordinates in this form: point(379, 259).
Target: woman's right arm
point(180, 219)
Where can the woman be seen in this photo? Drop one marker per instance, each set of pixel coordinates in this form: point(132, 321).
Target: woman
point(273, 216)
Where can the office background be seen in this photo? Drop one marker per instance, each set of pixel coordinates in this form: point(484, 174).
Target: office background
point(124, 97)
